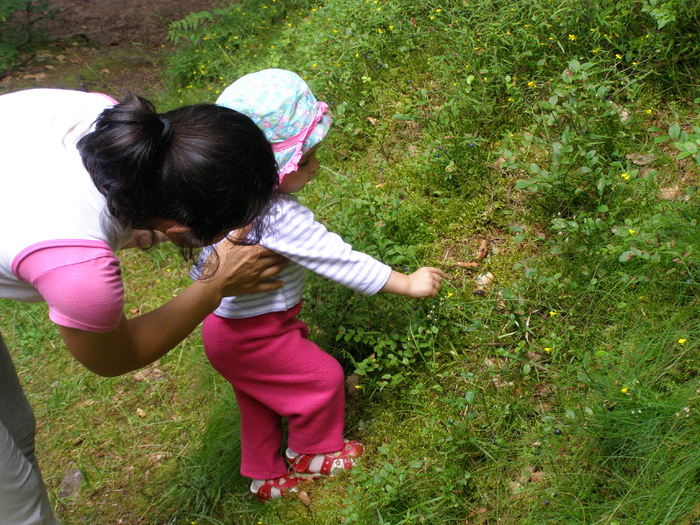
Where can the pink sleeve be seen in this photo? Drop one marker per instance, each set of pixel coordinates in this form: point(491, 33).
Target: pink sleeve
point(82, 285)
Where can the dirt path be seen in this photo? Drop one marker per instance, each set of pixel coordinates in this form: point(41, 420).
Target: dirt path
point(110, 46)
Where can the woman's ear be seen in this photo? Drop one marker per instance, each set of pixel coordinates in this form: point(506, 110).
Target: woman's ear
point(174, 231)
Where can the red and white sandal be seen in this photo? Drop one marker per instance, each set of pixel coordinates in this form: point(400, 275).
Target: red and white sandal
point(343, 459)
point(278, 487)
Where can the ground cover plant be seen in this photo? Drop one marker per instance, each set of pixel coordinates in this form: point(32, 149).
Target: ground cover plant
point(545, 154)
point(18, 32)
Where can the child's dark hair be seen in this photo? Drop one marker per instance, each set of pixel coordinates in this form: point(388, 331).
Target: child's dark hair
point(204, 166)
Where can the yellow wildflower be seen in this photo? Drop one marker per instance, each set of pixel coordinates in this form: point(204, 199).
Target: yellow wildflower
point(624, 390)
point(682, 341)
point(572, 37)
point(625, 176)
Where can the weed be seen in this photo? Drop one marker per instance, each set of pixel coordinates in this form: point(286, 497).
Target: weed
point(563, 389)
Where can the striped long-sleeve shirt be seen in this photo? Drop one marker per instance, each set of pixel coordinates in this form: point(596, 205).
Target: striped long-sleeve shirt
point(292, 231)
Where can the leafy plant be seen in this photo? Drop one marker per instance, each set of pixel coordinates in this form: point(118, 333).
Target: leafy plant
point(18, 33)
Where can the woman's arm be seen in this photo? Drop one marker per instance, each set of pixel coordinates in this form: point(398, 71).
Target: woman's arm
point(139, 341)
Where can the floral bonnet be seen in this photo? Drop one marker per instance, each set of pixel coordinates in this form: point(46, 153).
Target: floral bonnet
point(283, 106)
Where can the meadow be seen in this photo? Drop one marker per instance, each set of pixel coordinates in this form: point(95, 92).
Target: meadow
point(545, 154)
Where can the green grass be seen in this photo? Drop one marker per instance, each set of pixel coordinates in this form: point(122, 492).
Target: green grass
point(562, 132)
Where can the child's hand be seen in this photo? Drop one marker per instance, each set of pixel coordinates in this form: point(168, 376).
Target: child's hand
point(421, 283)
point(425, 282)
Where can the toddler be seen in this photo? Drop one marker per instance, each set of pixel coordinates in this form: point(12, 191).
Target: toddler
point(256, 341)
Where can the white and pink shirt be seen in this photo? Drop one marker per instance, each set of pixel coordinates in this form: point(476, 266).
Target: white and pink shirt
point(292, 231)
point(58, 241)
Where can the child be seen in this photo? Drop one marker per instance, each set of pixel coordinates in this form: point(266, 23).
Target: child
point(256, 341)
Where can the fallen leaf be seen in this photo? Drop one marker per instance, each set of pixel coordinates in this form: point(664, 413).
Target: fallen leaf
point(157, 457)
point(70, 483)
point(304, 498)
point(624, 114)
point(483, 250)
point(140, 412)
point(497, 165)
point(639, 159)
point(352, 385)
point(537, 476)
point(484, 279)
point(148, 374)
point(37, 76)
point(670, 193)
point(468, 264)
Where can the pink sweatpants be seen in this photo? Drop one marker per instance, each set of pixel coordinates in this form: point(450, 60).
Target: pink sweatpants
point(276, 372)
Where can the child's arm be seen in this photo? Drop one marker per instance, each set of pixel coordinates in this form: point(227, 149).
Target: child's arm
point(424, 282)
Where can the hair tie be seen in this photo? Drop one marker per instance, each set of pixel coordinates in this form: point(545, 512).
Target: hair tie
point(167, 131)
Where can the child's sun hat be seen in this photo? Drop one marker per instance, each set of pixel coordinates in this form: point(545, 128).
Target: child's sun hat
point(283, 106)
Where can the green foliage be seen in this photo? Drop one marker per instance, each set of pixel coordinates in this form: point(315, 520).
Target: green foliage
point(562, 129)
point(17, 32)
point(562, 389)
point(687, 143)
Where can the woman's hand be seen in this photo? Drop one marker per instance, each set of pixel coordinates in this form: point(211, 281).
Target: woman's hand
point(245, 269)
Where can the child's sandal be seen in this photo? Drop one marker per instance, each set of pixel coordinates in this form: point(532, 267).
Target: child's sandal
point(278, 487)
point(343, 459)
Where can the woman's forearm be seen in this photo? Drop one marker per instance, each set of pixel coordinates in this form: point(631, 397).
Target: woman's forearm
point(142, 340)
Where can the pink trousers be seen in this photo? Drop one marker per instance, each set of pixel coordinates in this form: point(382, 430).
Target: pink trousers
point(276, 373)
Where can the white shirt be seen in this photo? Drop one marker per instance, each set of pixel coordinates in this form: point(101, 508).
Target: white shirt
point(46, 196)
point(291, 231)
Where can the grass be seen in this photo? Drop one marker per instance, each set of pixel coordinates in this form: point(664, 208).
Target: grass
point(561, 133)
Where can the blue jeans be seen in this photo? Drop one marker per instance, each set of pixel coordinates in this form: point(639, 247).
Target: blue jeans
point(23, 497)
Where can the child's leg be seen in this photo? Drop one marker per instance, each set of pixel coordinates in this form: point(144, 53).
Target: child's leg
point(270, 359)
point(261, 439)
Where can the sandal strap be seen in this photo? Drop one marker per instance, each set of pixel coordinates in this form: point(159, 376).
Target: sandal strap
point(301, 462)
point(340, 463)
point(283, 484)
point(342, 459)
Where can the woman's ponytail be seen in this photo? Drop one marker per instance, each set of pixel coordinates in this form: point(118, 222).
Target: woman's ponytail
point(206, 167)
point(122, 156)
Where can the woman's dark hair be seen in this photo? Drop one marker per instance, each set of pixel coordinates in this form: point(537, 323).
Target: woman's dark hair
point(204, 166)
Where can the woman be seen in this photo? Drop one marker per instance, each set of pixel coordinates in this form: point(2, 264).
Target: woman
point(82, 177)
